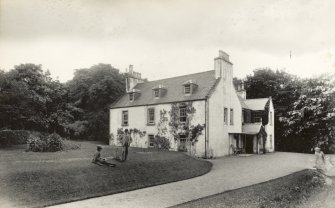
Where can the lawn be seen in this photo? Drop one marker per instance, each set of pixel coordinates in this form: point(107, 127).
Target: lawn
point(38, 179)
point(302, 189)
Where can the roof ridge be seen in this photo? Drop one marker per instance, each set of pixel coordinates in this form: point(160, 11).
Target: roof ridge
point(178, 76)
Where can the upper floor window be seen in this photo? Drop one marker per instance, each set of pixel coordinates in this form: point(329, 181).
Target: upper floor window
point(258, 116)
point(182, 114)
point(156, 93)
point(151, 116)
point(231, 116)
point(187, 89)
point(125, 118)
point(271, 118)
point(225, 116)
point(131, 96)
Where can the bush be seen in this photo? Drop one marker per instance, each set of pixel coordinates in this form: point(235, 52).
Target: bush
point(13, 137)
point(39, 142)
point(161, 142)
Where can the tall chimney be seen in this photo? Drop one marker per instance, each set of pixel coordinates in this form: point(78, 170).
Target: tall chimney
point(132, 78)
point(223, 66)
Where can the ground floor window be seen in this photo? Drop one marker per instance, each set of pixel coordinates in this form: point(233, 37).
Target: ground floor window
point(182, 143)
point(151, 139)
point(270, 141)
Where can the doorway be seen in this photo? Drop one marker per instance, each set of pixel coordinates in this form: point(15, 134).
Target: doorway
point(249, 144)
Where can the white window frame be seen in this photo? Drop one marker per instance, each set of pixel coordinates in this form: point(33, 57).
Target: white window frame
point(225, 116)
point(151, 143)
point(156, 93)
point(187, 89)
point(182, 114)
point(125, 122)
point(151, 122)
point(231, 116)
point(131, 97)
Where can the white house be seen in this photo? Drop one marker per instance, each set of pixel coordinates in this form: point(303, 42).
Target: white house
point(173, 107)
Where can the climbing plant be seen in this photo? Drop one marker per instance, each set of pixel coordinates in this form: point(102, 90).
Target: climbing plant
point(178, 128)
point(162, 123)
point(135, 132)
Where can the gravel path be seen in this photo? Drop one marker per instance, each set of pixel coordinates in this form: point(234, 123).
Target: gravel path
point(227, 173)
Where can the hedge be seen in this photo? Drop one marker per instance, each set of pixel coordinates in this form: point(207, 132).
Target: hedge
point(13, 137)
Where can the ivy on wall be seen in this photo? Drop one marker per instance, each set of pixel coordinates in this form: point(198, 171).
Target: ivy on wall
point(135, 132)
point(178, 128)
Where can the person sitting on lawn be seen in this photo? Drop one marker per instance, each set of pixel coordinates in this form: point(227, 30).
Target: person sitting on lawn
point(97, 159)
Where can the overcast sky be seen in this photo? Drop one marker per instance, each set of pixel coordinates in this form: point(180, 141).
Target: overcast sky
point(168, 38)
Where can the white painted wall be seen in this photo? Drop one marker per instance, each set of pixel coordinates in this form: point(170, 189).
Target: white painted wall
point(270, 129)
point(138, 119)
point(224, 96)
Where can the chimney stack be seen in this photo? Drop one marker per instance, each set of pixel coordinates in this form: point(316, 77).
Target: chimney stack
point(222, 66)
point(132, 78)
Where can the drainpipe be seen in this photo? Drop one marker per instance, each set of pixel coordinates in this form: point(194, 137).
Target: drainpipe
point(207, 127)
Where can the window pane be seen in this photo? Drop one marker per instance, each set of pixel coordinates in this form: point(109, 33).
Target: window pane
point(182, 114)
point(151, 115)
point(124, 117)
point(156, 92)
point(151, 140)
point(187, 89)
point(225, 119)
point(231, 116)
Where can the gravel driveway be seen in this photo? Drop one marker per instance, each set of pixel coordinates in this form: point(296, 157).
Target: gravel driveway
point(227, 173)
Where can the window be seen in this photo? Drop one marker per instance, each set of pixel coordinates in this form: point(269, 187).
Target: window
point(151, 116)
point(182, 113)
point(156, 93)
point(187, 89)
point(258, 116)
point(225, 116)
point(124, 118)
point(270, 141)
point(231, 116)
point(271, 118)
point(151, 139)
point(131, 96)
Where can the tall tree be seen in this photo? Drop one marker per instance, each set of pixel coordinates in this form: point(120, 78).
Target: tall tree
point(311, 122)
point(93, 90)
point(31, 100)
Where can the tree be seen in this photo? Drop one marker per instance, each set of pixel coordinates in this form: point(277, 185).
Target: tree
point(32, 100)
point(93, 90)
point(311, 121)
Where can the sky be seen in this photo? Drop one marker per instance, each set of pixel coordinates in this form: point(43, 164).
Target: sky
point(164, 38)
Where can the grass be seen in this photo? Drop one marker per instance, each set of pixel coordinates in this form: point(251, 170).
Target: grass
point(289, 191)
point(38, 179)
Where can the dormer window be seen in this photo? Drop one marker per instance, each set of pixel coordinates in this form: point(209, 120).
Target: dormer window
point(131, 97)
point(133, 94)
point(189, 87)
point(156, 93)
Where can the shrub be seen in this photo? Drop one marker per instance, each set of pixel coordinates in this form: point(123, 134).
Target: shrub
point(13, 137)
point(161, 142)
point(40, 142)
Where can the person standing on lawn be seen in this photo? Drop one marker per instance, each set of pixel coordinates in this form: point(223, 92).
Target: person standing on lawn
point(126, 140)
point(319, 159)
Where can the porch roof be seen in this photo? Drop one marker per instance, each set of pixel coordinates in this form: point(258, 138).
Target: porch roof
point(251, 128)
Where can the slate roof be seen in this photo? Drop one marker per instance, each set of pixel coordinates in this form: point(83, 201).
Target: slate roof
point(174, 90)
point(254, 104)
point(251, 128)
